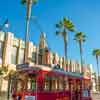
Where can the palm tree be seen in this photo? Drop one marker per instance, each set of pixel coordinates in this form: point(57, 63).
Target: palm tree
point(28, 14)
point(96, 53)
point(63, 27)
point(80, 38)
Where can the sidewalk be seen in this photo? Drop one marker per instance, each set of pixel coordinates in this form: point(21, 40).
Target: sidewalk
point(95, 96)
point(3, 96)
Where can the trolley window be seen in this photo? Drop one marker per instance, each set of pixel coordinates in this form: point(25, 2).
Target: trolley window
point(55, 84)
point(26, 82)
point(20, 86)
point(31, 84)
point(47, 84)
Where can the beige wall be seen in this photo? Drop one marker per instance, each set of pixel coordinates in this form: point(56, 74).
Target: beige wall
point(10, 41)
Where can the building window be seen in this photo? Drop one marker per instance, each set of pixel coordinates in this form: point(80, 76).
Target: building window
point(21, 56)
point(13, 55)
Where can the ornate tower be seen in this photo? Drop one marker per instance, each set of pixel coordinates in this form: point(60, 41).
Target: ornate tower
point(43, 50)
point(42, 43)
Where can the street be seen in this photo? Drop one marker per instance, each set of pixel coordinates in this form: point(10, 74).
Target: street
point(95, 96)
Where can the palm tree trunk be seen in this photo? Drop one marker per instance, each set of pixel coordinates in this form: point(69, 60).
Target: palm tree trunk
point(98, 80)
point(65, 43)
point(81, 55)
point(29, 6)
point(65, 50)
point(65, 47)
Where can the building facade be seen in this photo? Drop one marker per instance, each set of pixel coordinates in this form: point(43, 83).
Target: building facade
point(12, 52)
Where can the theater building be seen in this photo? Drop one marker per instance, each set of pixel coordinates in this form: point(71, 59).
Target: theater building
point(12, 53)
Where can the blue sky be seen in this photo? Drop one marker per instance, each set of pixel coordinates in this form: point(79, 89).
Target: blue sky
point(85, 15)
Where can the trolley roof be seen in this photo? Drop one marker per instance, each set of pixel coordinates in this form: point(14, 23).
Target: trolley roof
point(37, 68)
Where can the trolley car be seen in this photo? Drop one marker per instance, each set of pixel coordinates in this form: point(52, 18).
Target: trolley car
point(46, 83)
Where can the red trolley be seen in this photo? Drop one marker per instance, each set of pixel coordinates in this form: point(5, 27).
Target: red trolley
point(46, 83)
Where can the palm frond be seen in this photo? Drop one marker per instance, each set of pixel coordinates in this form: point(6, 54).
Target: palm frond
point(80, 36)
point(23, 2)
point(65, 20)
point(58, 33)
point(84, 40)
point(35, 1)
point(75, 39)
point(96, 52)
point(71, 28)
point(68, 25)
point(59, 25)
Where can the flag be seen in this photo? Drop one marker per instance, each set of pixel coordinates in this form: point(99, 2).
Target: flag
point(6, 23)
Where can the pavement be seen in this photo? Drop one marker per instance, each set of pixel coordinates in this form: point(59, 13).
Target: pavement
point(3, 96)
point(95, 96)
